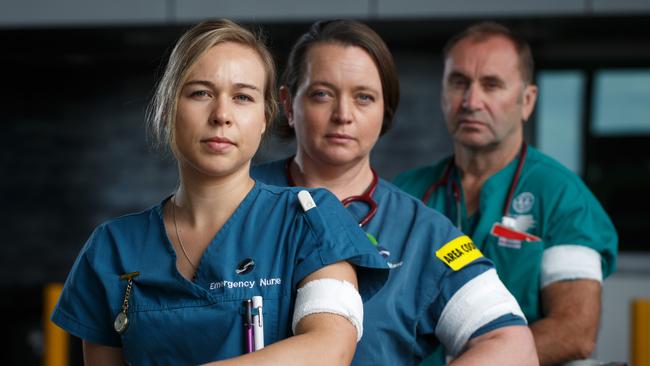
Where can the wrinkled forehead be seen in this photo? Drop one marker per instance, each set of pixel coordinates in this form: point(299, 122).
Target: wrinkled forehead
point(479, 57)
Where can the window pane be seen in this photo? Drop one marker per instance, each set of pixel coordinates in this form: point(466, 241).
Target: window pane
point(559, 116)
point(621, 102)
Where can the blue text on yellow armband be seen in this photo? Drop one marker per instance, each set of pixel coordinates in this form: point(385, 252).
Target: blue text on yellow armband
point(459, 252)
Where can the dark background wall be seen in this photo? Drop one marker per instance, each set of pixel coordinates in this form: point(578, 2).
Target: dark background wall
point(74, 150)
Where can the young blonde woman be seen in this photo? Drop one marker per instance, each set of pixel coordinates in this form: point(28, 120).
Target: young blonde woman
point(174, 284)
point(340, 92)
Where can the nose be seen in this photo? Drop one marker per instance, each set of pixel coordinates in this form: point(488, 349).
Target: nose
point(473, 98)
point(343, 111)
point(221, 114)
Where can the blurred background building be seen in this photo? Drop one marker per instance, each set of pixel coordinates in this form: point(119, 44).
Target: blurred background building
point(77, 76)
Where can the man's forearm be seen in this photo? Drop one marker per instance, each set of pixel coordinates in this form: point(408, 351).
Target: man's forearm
point(570, 327)
point(561, 340)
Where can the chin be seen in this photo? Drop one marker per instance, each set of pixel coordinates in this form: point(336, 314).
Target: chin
point(341, 159)
point(220, 170)
point(471, 140)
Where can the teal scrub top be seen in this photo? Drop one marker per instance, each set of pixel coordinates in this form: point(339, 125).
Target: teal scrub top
point(400, 320)
point(174, 321)
point(552, 203)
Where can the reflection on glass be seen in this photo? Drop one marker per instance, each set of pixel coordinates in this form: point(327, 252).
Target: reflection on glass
point(559, 116)
point(621, 103)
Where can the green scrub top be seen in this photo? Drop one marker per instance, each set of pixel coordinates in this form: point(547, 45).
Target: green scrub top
point(549, 201)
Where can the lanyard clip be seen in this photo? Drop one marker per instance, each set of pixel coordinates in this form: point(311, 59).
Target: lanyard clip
point(129, 276)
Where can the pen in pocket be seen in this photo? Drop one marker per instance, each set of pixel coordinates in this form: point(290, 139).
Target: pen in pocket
point(258, 322)
point(248, 325)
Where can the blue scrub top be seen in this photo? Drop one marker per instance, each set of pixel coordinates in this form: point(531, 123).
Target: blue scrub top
point(400, 320)
point(176, 321)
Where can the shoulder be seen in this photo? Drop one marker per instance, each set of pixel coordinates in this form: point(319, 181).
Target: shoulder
point(556, 185)
point(397, 200)
point(135, 218)
point(547, 170)
point(292, 192)
point(425, 229)
point(118, 234)
point(416, 181)
point(270, 173)
point(133, 224)
point(280, 197)
point(417, 221)
point(423, 172)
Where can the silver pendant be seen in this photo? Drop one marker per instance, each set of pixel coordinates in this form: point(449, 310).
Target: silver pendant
point(121, 323)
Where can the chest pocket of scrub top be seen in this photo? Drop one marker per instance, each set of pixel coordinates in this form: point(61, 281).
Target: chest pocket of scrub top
point(177, 328)
point(519, 268)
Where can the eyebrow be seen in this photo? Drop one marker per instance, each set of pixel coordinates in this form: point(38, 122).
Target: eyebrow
point(490, 78)
point(322, 83)
point(332, 86)
point(457, 75)
point(212, 86)
point(493, 79)
point(246, 86)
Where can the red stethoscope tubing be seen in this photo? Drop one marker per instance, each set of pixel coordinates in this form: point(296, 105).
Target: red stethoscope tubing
point(365, 197)
point(456, 190)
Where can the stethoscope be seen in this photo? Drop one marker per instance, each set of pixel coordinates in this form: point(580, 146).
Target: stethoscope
point(454, 190)
point(365, 197)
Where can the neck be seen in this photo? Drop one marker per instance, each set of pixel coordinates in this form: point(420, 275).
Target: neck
point(483, 163)
point(477, 165)
point(209, 201)
point(343, 180)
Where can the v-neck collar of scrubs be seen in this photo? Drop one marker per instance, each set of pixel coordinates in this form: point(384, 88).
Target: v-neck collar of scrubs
point(491, 200)
point(195, 286)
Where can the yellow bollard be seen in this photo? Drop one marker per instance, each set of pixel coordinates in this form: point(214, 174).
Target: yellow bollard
point(640, 332)
point(55, 339)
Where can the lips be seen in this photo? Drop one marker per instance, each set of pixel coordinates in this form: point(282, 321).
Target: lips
point(217, 139)
point(218, 144)
point(339, 137)
point(470, 123)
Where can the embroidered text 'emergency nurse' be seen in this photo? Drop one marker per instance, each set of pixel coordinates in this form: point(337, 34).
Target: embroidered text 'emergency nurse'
point(459, 252)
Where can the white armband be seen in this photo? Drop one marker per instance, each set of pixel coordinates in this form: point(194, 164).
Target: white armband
point(570, 262)
point(480, 301)
point(329, 295)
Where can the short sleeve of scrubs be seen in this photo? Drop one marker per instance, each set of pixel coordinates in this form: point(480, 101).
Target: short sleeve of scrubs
point(578, 230)
point(346, 229)
point(472, 301)
point(83, 307)
point(336, 237)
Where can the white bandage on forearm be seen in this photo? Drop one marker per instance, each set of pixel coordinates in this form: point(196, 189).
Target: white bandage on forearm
point(570, 262)
point(480, 301)
point(329, 295)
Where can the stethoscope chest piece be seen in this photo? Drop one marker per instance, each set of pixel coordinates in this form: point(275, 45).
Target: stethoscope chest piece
point(121, 323)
